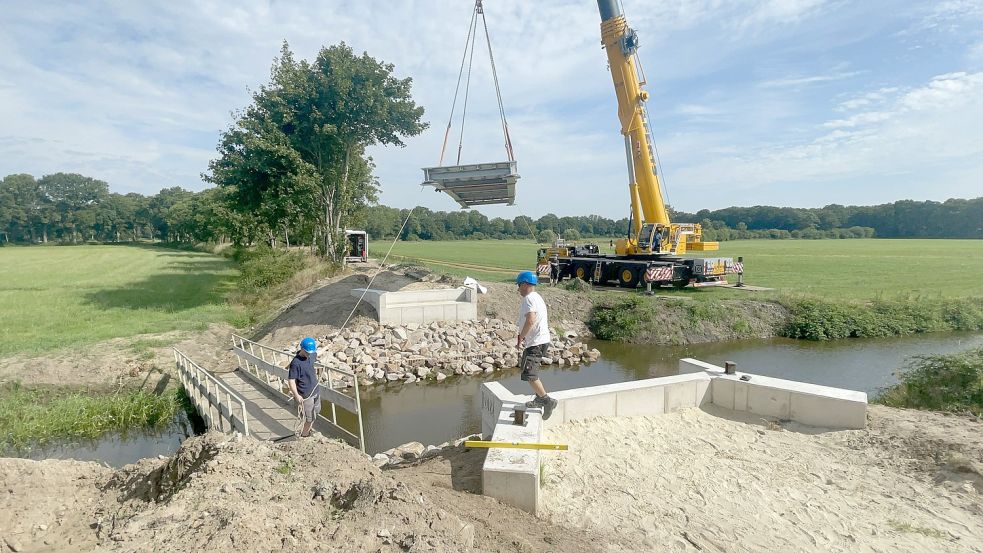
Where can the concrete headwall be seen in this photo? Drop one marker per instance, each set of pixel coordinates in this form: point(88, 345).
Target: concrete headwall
point(512, 475)
point(808, 404)
point(422, 306)
point(653, 396)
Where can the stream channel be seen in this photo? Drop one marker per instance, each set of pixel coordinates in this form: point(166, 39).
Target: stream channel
point(433, 413)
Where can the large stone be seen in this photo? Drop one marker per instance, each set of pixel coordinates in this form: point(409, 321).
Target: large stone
point(441, 377)
point(410, 451)
point(399, 333)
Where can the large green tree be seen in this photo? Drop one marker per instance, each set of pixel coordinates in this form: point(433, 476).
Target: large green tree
point(299, 150)
point(73, 200)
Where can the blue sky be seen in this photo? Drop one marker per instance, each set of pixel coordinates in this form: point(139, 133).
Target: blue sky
point(794, 102)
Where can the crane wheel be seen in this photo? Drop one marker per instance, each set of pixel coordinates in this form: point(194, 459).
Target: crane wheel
point(627, 278)
point(581, 272)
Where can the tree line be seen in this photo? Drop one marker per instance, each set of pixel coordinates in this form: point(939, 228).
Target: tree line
point(72, 208)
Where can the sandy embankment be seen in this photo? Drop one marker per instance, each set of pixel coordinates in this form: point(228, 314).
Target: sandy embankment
point(706, 480)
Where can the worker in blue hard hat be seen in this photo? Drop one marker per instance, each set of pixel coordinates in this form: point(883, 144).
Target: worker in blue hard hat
point(533, 339)
point(303, 384)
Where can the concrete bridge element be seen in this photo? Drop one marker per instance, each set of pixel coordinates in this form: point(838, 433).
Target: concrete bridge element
point(422, 306)
point(512, 475)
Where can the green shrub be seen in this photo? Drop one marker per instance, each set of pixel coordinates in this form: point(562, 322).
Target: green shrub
point(941, 383)
point(619, 321)
point(264, 267)
point(817, 319)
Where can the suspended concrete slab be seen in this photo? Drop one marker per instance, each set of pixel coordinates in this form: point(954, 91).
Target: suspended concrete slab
point(479, 184)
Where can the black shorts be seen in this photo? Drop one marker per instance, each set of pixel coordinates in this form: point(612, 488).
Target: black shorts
point(532, 357)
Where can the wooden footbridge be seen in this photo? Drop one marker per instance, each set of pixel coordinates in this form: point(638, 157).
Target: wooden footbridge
point(254, 400)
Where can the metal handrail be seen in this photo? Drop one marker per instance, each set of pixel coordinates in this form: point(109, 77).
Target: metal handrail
point(267, 366)
point(194, 378)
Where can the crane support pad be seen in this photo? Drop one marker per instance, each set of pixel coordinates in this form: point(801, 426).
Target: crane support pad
point(477, 184)
point(515, 445)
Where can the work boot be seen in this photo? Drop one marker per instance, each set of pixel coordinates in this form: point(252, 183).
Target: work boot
point(537, 403)
point(548, 408)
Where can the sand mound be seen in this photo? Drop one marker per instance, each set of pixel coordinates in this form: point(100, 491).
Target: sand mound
point(222, 494)
point(700, 480)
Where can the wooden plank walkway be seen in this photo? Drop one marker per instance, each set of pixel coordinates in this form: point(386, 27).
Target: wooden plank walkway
point(269, 417)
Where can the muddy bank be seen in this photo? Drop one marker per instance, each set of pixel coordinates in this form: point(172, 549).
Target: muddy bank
point(678, 322)
point(224, 494)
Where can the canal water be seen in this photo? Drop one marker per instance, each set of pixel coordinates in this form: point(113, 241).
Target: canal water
point(433, 413)
point(118, 449)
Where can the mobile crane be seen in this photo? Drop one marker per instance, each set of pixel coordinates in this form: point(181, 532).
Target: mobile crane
point(653, 250)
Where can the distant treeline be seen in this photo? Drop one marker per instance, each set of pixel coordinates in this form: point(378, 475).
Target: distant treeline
point(71, 208)
point(953, 218)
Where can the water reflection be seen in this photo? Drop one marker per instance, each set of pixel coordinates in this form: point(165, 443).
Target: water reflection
point(118, 449)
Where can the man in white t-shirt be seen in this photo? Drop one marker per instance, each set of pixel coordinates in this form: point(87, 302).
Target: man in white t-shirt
point(533, 339)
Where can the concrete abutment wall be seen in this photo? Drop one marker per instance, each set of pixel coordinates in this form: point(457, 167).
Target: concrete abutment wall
point(512, 475)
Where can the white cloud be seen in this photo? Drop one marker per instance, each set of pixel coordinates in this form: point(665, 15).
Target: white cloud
point(925, 129)
point(812, 79)
point(779, 12)
point(137, 93)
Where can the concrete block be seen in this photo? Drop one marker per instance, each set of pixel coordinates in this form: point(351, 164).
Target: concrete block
point(585, 407)
point(688, 366)
point(493, 396)
point(740, 396)
point(512, 475)
point(808, 404)
point(519, 489)
point(412, 315)
point(703, 394)
point(722, 392)
point(769, 402)
point(641, 402)
point(680, 395)
point(826, 412)
point(432, 313)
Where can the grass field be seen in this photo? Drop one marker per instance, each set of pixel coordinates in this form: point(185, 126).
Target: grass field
point(857, 269)
point(56, 297)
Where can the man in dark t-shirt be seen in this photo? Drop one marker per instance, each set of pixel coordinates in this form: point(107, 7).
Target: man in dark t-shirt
point(302, 381)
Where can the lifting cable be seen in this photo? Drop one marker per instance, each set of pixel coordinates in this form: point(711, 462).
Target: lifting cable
point(468, 56)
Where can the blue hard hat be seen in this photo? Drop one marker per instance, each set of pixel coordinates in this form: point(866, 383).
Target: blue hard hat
point(308, 345)
point(528, 277)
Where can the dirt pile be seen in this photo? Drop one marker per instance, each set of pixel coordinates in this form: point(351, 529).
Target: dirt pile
point(223, 494)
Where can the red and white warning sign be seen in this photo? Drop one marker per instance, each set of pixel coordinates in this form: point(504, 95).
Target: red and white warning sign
point(543, 269)
point(738, 267)
point(653, 274)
